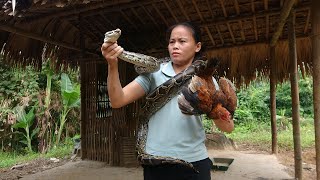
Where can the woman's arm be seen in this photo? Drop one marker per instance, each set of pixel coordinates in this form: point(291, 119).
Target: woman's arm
point(119, 96)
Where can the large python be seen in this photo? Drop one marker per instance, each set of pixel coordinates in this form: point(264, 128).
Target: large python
point(157, 98)
point(143, 63)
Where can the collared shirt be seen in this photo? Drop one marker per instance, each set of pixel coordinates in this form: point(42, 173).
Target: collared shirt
point(172, 133)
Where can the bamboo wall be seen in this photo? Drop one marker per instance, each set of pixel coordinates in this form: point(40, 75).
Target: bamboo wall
point(107, 134)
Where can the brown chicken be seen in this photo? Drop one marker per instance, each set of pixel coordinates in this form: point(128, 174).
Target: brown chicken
point(205, 96)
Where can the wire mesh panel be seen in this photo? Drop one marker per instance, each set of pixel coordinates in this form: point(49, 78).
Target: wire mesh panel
point(103, 104)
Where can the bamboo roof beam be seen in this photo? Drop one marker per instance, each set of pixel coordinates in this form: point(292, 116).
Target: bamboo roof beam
point(270, 12)
point(221, 20)
point(231, 33)
point(267, 19)
point(128, 20)
point(105, 20)
point(182, 10)
point(260, 42)
point(137, 15)
point(21, 32)
point(171, 12)
point(153, 20)
point(226, 15)
point(203, 20)
point(236, 5)
point(306, 27)
point(69, 12)
point(151, 17)
point(254, 19)
point(91, 31)
point(210, 9)
point(283, 17)
point(141, 20)
point(216, 26)
point(220, 35)
point(160, 14)
point(134, 26)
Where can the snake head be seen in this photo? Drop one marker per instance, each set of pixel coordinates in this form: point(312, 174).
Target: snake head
point(112, 36)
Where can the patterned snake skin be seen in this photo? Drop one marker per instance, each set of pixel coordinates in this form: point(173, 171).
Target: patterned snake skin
point(157, 99)
point(143, 63)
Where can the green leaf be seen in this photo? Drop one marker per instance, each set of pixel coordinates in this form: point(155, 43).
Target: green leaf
point(24, 142)
point(66, 85)
point(21, 124)
point(34, 132)
point(30, 117)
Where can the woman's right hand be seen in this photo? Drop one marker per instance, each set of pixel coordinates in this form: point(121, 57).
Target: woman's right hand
point(111, 51)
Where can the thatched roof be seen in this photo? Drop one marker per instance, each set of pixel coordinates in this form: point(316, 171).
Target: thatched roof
point(237, 31)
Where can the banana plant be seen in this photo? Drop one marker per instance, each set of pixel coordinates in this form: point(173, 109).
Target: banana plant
point(70, 99)
point(25, 121)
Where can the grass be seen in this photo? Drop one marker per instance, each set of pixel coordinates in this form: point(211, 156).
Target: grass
point(259, 135)
point(252, 133)
point(13, 158)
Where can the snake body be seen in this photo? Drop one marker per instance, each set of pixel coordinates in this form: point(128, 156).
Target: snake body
point(157, 98)
point(143, 63)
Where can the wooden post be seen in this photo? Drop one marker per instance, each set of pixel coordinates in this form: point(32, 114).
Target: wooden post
point(273, 112)
point(295, 96)
point(316, 77)
point(83, 82)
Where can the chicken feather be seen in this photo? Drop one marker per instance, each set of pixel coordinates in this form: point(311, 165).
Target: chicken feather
point(203, 97)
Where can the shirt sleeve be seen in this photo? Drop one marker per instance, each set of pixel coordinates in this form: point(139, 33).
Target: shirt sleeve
point(144, 82)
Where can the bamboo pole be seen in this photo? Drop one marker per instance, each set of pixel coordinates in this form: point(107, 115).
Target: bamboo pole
point(295, 96)
point(316, 78)
point(283, 17)
point(83, 119)
point(273, 105)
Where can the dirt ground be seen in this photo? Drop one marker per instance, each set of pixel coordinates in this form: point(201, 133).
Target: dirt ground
point(249, 163)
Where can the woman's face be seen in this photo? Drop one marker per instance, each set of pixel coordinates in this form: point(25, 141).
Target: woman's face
point(182, 46)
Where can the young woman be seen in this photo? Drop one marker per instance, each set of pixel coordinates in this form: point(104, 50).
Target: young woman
point(171, 133)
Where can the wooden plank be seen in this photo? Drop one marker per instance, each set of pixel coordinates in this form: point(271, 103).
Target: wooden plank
point(182, 10)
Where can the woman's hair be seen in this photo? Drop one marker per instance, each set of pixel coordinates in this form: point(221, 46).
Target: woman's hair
point(196, 34)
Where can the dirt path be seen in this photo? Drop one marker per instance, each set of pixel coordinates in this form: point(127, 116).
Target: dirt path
point(250, 163)
point(246, 165)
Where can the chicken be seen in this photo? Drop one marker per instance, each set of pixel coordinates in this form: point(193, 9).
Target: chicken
point(205, 96)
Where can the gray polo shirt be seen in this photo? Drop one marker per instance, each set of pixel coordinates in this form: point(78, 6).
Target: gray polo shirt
point(172, 133)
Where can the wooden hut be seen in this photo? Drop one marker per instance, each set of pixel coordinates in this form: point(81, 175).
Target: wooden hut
point(248, 36)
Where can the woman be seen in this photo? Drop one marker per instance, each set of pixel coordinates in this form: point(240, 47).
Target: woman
point(171, 133)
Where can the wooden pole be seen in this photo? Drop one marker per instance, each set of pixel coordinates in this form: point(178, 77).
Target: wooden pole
point(316, 77)
point(295, 96)
point(83, 81)
point(283, 17)
point(273, 105)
